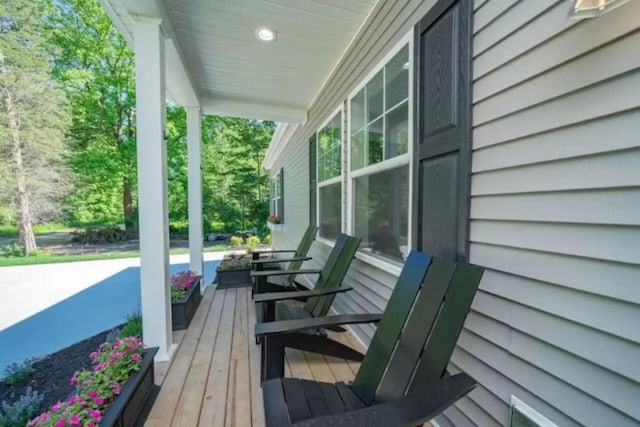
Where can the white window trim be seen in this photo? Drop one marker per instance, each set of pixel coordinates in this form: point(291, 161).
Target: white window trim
point(335, 179)
point(278, 194)
point(407, 158)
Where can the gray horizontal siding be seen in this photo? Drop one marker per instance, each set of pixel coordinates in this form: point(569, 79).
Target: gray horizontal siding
point(555, 209)
point(555, 216)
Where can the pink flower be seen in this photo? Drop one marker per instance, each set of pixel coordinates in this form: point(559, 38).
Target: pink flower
point(93, 393)
point(61, 423)
point(95, 414)
point(73, 399)
point(91, 424)
point(99, 400)
point(115, 387)
point(136, 357)
point(75, 420)
point(74, 379)
point(56, 407)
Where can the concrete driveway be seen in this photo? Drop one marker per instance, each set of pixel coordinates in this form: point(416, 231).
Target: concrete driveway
point(47, 307)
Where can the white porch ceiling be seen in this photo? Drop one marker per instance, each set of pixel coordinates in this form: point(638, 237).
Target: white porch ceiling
point(213, 49)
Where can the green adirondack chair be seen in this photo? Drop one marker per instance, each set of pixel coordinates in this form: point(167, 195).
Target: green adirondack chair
point(402, 380)
point(264, 260)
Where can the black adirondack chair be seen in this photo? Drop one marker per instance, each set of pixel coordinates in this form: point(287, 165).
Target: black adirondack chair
point(402, 379)
point(281, 283)
point(317, 302)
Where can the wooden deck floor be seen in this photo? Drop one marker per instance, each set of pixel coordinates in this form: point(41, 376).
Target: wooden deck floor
point(213, 379)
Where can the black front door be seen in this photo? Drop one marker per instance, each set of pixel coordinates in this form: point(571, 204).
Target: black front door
point(442, 91)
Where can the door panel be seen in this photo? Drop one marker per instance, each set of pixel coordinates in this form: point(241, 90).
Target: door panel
point(443, 136)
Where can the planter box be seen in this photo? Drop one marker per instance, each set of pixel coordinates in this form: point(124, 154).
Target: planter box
point(182, 311)
point(138, 393)
point(274, 227)
point(233, 278)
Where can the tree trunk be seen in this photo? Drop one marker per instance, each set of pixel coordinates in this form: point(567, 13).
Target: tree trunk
point(127, 205)
point(21, 196)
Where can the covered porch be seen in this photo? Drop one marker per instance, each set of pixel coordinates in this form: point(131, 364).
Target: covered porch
point(213, 379)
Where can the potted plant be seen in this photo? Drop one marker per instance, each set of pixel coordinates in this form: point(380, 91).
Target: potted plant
point(117, 391)
point(185, 298)
point(234, 271)
point(274, 223)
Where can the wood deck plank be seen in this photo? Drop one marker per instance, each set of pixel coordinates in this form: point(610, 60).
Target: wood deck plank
point(213, 408)
point(167, 400)
point(239, 386)
point(319, 368)
point(188, 410)
point(214, 378)
point(257, 407)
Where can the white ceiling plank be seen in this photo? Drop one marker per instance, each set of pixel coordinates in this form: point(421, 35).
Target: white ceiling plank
point(248, 109)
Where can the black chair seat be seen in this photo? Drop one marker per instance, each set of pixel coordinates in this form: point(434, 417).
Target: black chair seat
point(310, 399)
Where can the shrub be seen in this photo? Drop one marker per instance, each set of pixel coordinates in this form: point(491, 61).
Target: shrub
point(267, 239)
point(133, 325)
point(20, 411)
point(113, 364)
point(92, 236)
point(252, 242)
point(236, 241)
point(181, 282)
point(15, 373)
point(234, 262)
point(14, 250)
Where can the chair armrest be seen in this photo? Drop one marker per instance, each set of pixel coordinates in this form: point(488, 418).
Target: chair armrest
point(276, 260)
point(275, 251)
point(292, 326)
point(280, 296)
point(282, 272)
point(414, 409)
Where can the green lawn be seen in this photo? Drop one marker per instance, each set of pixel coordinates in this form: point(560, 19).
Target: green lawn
point(51, 259)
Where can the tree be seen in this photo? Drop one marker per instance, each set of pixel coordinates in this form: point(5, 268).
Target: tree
point(32, 117)
point(95, 66)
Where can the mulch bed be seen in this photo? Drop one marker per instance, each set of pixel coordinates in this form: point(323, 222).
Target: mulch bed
point(52, 373)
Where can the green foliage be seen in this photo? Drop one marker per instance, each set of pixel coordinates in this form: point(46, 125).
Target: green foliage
point(33, 119)
point(133, 325)
point(236, 241)
point(252, 242)
point(15, 373)
point(92, 236)
point(12, 250)
point(21, 410)
point(235, 262)
point(267, 239)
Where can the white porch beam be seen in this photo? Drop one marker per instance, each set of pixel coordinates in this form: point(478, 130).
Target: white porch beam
point(194, 182)
point(152, 186)
point(253, 110)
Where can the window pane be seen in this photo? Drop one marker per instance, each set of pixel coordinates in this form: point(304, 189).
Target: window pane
point(330, 149)
point(330, 210)
point(357, 151)
point(376, 140)
point(381, 212)
point(397, 131)
point(357, 112)
point(375, 105)
point(397, 78)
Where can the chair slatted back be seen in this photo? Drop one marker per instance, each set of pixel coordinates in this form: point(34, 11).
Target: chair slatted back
point(327, 268)
point(323, 304)
point(388, 331)
point(303, 248)
point(424, 336)
point(446, 330)
point(335, 259)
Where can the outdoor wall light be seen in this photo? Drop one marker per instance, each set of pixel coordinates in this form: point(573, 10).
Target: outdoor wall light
point(581, 9)
point(265, 34)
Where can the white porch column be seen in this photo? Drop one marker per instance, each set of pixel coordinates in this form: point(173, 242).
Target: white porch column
point(194, 160)
point(152, 186)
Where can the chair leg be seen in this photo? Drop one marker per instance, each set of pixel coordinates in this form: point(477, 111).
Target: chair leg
point(322, 345)
point(272, 358)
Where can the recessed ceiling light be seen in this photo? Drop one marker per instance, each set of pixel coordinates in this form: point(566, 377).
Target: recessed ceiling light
point(265, 34)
